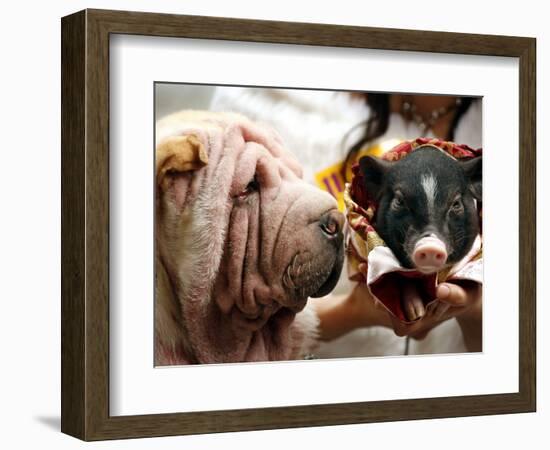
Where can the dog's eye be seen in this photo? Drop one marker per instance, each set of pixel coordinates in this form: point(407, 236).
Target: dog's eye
point(251, 187)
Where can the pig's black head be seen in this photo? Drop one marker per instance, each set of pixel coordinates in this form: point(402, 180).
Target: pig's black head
point(426, 211)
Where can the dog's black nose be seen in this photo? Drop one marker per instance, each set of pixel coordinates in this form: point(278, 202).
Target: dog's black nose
point(331, 223)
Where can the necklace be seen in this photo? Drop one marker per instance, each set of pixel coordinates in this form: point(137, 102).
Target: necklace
point(427, 121)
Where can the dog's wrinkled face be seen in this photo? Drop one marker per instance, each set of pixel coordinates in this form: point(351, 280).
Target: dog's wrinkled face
point(284, 238)
point(245, 232)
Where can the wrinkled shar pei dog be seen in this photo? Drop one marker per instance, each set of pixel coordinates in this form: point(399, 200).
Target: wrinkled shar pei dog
point(241, 242)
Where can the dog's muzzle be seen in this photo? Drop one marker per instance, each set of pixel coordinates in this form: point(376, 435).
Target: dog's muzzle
point(314, 273)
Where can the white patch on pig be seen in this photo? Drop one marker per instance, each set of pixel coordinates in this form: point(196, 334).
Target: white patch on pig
point(429, 184)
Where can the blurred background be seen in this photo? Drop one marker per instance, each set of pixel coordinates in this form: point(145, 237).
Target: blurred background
point(172, 97)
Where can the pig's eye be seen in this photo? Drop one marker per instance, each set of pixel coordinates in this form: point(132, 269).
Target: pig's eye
point(398, 202)
point(252, 186)
point(456, 206)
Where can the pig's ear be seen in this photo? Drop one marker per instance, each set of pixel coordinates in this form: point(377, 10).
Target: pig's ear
point(176, 158)
point(373, 171)
point(473, 170)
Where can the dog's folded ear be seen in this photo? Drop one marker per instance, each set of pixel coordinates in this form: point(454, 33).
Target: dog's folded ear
point(176, 155)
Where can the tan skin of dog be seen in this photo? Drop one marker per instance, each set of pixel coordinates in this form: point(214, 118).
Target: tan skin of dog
point(340, 314)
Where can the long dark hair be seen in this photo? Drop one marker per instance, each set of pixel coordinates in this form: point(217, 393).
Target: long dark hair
point(377, 123)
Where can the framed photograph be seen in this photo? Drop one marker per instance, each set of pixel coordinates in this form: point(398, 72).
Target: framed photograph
point(273, 225)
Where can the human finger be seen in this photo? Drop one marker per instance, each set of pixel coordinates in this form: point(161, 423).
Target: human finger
point(452, 294)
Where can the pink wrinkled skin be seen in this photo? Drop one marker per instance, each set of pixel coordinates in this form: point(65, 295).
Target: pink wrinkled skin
point(234, 266)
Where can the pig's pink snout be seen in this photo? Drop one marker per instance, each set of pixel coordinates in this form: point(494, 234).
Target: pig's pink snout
point(429, 255)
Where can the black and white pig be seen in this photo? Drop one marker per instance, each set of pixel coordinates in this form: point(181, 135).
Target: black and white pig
point(426, 206)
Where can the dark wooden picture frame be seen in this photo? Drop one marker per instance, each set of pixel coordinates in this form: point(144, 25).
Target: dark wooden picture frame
point(85, 224)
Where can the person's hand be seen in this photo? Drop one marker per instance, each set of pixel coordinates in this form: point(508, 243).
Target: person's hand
point(341, 314)
point(459, 299)
point(462, 301)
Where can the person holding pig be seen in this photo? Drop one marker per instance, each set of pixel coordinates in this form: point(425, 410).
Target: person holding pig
point(335, 130)
point(443, 117)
